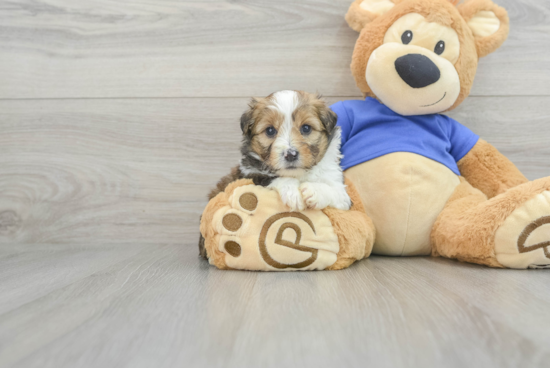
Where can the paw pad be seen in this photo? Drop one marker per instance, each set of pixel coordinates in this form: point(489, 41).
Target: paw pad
point(248, 201)
point(232, 222)
point(233, 248)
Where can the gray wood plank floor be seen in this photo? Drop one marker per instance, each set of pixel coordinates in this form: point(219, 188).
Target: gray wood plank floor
point(116, 117)
point(163, 308)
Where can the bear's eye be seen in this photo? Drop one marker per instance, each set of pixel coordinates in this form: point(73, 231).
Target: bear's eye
point(305, 129)
point(406, 37)
point(270, 131)
point(440, 47)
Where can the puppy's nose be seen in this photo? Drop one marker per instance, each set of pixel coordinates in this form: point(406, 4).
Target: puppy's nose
point(418, 71)
point(291, 155)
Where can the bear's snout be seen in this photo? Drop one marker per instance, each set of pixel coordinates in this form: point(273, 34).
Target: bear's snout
point(418, 71)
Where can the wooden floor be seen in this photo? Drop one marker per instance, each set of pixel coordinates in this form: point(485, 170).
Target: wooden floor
point(117, 116)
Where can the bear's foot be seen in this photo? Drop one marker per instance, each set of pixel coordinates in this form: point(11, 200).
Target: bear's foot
point(523, 240)
point(256, 231)
point(248, 227)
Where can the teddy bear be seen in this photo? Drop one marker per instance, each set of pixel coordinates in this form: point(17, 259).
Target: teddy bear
point(430, 185)
point(420, 182)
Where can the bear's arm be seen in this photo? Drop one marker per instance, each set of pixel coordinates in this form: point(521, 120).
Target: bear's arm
point(489, 170)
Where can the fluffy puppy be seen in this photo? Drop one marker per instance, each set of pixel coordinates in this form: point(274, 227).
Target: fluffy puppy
point(291, 144)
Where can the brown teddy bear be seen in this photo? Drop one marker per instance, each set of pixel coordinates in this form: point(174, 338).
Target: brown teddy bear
point(428, 184)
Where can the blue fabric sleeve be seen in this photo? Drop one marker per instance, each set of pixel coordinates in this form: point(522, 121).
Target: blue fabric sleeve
point(343, 120)
point(462, 139)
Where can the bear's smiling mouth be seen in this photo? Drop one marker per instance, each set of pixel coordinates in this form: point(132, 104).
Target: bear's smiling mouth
point(436, 102)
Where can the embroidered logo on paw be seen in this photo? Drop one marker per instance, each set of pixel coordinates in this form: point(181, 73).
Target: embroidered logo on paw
point(285, 243)
point(523, 239)
point(259, 233)
point(530, 229)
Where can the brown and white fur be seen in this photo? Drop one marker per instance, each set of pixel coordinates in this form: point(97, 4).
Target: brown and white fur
point(291, 144)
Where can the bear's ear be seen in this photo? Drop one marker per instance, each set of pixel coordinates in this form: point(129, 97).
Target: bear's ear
point(362, 12)
point(488, 22)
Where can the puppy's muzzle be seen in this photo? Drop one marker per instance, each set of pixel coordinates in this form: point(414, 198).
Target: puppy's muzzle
point(290, 155)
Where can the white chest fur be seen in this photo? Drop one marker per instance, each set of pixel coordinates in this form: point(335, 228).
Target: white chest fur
point(403, 194)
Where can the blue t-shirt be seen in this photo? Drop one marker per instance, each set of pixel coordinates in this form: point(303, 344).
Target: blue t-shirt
point(370, 130)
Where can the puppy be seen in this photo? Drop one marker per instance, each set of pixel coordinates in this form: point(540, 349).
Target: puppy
point(291, 144)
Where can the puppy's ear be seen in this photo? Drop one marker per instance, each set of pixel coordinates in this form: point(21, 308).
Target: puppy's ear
point(247, 119)
point(488, 22)
point(327, 117)
point(362, 12)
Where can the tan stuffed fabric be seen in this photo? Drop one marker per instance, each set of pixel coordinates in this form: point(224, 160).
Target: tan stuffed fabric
point(404, 202)
point(473, 45)
point(490, 171)
point(248, 228)
point(355, 230)
point(486, 43)
point(372, 37)
point(508, 230)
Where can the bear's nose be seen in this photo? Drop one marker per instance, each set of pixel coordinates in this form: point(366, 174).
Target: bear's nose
point(418, 71)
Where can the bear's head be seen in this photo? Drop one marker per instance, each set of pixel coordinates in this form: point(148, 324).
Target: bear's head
point(420, 56)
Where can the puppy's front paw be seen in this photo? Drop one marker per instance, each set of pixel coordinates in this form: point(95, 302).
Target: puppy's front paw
point(289, 191)
point(311, 193)
point(292, 197)
point(343, 202)
point(320, 195)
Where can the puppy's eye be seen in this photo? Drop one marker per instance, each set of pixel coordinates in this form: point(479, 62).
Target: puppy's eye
point(406, 37)
point(440, 47)
point(270, 132)
point(305, 129)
